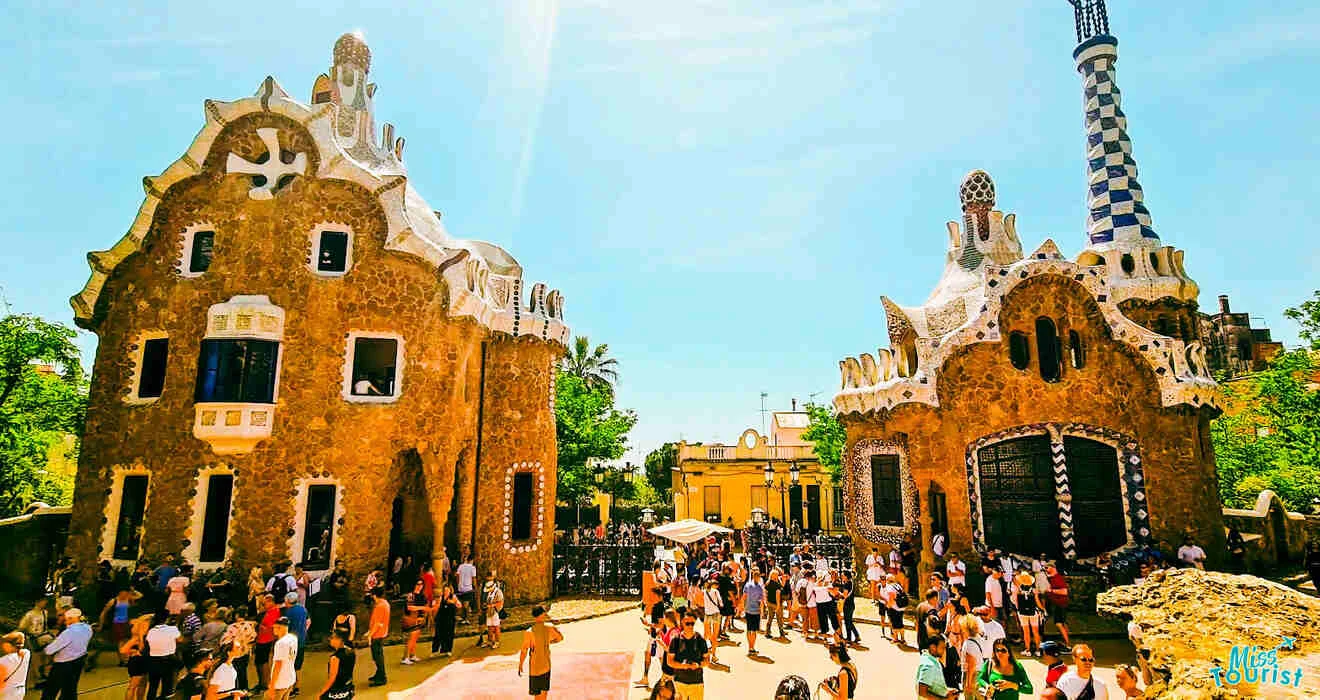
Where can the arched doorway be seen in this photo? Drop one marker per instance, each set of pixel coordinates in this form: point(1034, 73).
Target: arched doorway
point(412, 534)
point(1018, 508)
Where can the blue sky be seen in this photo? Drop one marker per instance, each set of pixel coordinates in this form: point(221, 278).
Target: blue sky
point(721, 189)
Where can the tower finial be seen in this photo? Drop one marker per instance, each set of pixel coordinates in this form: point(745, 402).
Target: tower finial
point(1091, 17)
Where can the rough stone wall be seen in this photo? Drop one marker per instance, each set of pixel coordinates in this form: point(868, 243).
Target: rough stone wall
point(263, 247)
point(519, 427)
point(1181, 314)
point(981, 393)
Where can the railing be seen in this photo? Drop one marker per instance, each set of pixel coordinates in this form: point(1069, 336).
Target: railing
point(732, 452)
point(601, 569)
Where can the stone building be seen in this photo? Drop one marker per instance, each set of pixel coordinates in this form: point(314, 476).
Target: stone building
point(298, 362)
point(1037, 404)
point(1232, 346)
point(778, 473)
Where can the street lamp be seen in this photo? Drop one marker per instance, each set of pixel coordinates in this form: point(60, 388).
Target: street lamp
point(793, 472)
point(648, 517)
point(758, 517)
point(769, 475)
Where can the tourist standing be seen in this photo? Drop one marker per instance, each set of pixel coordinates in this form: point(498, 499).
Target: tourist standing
point(494, 601)
point(926, 609)
point(536, 643)
point(299, 622)
point(225, 677)
point(930, 670)
point(991, 630)
point(908, 555)
point(994, 591)
point(415, 608)
point(339, 669)
point(134, 651)
point(849, 597)
point(379, 629)
point(467, 577)
point(1003, 677)
point(240, 636)
point(446, 615)
point(754, 599)
point(114, 619)
point(162, 642)
point(896, 601)
point(15, 660)
point(212, 630)
point(1191, 555)
point(956, 570)
point(810, 620)
point(256, 589)
point(842, 685)
point(688, 654)
point(1126, 677)
point(774, 610)
point(1029, 605)
point(1079, 683)
point(177, 589)
point(713, 603)
point(283, 674)
point(163, 574)
point(827, 612)
point(265, 639)
point(1056, 601)
point(68, 654)
point(875, 570)
point(973, 652)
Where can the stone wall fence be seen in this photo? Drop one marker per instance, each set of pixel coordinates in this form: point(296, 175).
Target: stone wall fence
point(1273, 535)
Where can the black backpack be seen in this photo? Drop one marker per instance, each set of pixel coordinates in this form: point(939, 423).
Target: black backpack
point(900, 597)
point(280, 587)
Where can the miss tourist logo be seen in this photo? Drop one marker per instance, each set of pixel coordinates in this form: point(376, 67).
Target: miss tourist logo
point(1252, 664)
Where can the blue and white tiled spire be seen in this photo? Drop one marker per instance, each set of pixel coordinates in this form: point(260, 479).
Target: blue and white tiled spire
point(1115, 197)
point(1120, 237)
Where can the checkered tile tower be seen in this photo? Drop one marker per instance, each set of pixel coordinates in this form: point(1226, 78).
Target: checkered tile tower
point(1119, 230)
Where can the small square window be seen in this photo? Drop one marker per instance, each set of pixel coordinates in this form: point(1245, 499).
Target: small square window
point(375, 367)
point(199, 256)
point(151, 377)
point(332, 251)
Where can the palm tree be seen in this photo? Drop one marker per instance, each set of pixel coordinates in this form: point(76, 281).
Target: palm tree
point(592, 366)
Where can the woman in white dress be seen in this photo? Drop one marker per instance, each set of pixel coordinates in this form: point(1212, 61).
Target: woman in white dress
point(14, 663)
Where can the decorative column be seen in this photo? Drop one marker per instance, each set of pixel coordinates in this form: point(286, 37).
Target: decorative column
point(1115, 196)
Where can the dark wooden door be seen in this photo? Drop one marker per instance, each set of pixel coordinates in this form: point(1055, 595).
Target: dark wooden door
point(1018, 507)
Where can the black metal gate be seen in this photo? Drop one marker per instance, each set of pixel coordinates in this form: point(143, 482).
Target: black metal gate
point(1097, 496)
point(601, 569)
point(1018, 507)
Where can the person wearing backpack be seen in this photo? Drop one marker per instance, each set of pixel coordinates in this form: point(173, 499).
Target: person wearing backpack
point(896, 602)
point(281, 583)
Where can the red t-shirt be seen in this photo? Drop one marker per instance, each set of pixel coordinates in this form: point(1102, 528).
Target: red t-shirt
point(266, 632)
point(1057, 581)
point(1053, 673)
point(428, 586)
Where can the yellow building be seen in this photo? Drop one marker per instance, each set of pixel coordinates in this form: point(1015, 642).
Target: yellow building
point(723, 482)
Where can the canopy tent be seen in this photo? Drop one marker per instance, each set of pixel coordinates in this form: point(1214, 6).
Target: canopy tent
point(685, 531)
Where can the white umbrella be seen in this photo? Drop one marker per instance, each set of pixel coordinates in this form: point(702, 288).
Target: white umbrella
point(685, 531)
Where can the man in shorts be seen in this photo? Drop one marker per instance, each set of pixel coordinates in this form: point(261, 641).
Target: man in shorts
point(753, 597)
point(536, 643)
point(467, 576)
point(1056, 603)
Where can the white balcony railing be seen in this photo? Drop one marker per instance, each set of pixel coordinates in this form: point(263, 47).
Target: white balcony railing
point(233, 428)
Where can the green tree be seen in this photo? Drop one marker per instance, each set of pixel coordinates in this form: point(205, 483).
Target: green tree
point(1270, 436)
point(827, 435)
point(41, 411)
point(1307, 314)
point(592, 366)
point(588, 428)
point(659, 467)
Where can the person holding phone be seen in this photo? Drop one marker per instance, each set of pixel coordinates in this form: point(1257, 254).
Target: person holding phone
point(930, 670)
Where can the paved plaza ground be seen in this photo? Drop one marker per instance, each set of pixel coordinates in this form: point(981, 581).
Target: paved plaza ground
point(599, 658)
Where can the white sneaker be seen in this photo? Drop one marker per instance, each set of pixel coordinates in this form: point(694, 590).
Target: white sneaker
point(407, 661)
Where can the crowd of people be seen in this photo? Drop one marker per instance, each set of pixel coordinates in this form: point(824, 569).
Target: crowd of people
point(696, 604)
point(180, 633)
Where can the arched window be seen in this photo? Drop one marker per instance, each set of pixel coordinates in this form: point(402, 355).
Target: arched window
point(1048, 350)
point(1127, 263)
point(1076, 353)
point(1019, 350)
point(907, 358)
point(1155, 263)
point(1019, 507)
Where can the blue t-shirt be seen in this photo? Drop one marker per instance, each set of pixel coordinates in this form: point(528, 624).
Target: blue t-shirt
point(163, 575)
point(297, 615)
point(755, 593)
